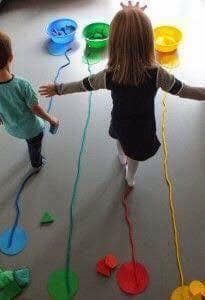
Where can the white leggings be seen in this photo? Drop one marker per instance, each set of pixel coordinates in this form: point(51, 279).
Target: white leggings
point(132, 165)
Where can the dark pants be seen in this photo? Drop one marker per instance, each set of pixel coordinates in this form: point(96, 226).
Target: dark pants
point(34, 148)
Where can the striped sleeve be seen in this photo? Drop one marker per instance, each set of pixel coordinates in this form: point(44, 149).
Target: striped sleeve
point(96, 81)
point(91, 83)
point(168, 82)
point(172, 85)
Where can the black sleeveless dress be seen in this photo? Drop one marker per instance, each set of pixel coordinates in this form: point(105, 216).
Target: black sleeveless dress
point(133, 117)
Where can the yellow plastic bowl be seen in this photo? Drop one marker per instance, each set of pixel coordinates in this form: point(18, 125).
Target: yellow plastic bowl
point(167, 38)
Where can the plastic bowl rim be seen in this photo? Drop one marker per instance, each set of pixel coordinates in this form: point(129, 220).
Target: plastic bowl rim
point(95, 40)
point(67, 19)
point(169, 26)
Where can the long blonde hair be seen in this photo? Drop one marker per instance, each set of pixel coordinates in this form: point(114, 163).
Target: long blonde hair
point(131, 47)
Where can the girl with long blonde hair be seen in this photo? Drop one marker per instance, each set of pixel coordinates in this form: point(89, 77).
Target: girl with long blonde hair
point(133, 77)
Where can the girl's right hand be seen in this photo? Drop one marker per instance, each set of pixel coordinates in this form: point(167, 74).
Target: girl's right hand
point(130, 5)
point(47, 90)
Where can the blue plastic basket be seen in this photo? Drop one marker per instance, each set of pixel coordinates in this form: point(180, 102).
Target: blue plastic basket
point(62, 31)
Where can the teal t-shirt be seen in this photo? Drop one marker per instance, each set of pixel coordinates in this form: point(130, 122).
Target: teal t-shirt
point(16, 99)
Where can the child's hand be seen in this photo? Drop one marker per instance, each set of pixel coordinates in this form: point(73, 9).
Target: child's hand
point(130, 5)
point(54, 121)
point(47, 90)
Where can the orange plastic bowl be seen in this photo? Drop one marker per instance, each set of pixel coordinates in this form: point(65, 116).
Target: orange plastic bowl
point(167, 38)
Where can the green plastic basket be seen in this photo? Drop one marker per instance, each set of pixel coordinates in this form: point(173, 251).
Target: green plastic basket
point(96, 35)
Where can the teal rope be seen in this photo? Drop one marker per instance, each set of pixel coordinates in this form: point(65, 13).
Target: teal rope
point(75, 187)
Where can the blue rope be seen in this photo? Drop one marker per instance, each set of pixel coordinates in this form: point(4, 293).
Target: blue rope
point(75, 186)
point(17, 206)
point(56, 78)
point(18, 212)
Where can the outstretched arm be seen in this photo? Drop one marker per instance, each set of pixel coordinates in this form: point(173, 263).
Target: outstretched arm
point(91, 83)
point(172, 85)
point(190, 92)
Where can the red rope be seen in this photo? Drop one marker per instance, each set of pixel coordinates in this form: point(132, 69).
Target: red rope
point(129, 223)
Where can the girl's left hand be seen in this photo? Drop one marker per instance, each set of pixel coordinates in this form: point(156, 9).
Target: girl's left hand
point(47, 90)
point(130, 5)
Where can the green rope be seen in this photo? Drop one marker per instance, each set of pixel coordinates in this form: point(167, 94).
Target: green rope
point(75, 187)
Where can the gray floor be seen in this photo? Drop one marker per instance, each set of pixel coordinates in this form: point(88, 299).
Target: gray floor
point(99, 223)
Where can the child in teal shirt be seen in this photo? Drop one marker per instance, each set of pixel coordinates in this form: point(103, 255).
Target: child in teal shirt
point(20, 112)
